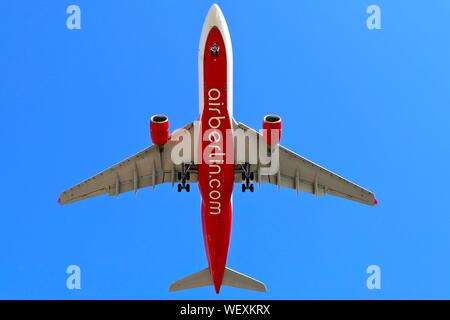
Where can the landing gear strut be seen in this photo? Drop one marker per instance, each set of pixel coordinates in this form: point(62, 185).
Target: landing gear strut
point(184, 176)
point(247, 176)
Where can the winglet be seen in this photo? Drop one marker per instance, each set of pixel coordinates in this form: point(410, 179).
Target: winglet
point(59, 201)
point(375, 201)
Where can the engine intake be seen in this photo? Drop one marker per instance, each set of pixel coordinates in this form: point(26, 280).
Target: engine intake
point(159, 129)
point(272, 127)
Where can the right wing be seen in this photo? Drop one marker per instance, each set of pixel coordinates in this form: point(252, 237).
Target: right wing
point(298, 173)
point(149, 167)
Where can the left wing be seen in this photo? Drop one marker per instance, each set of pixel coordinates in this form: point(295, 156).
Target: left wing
point(150, 167)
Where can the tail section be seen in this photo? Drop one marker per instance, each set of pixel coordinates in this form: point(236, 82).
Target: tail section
point(196, 280)
point(231, 278)
point(235, 279)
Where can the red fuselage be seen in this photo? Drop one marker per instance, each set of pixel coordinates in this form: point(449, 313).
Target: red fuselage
point(216, 167)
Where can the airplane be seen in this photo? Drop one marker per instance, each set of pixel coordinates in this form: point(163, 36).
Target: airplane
point(204, 163)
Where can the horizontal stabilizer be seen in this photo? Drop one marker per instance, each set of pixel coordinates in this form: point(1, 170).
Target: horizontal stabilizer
point(196, 280)
point(235, 279)
point(231, 278)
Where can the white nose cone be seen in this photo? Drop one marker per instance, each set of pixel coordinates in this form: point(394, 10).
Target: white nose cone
point(215, 18)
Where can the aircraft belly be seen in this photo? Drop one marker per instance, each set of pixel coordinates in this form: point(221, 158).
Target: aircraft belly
point(216, 167)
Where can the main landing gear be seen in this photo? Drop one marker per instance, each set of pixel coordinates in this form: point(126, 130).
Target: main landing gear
point(247, 176)
point(184, 176)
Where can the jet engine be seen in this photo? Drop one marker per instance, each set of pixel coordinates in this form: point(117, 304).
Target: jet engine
point(159, 129)
point(272, 125)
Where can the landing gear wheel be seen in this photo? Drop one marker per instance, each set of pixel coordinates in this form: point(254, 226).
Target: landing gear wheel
point(188, 187)
point(243, 187)
point(179, 187)
point(179, 176)
point(252, 176)
point(188, 176)
point(243, 176)
point(251, 188)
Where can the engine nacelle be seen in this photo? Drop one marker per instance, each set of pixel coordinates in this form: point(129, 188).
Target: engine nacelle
point(159, 129)
point(272, 126)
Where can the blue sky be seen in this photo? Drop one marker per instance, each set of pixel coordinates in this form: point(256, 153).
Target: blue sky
point(371, 105)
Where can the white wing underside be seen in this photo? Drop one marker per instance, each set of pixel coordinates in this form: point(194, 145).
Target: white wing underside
point(148, 168)
point(303, 175)
point(153, 166)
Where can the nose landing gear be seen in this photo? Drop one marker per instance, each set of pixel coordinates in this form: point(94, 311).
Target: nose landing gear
point(215, 50)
